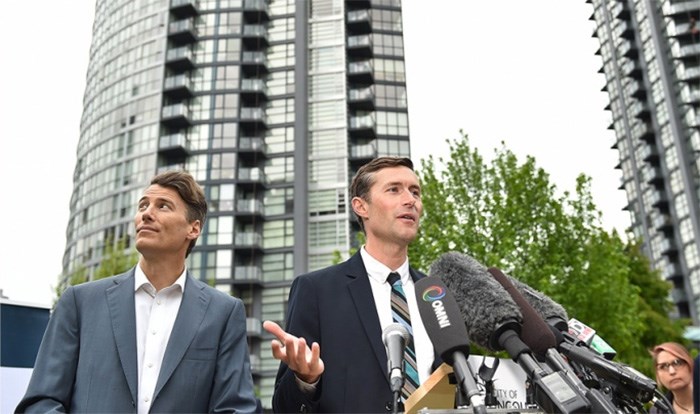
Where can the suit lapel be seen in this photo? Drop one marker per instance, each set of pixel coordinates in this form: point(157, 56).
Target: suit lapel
point(193, 307)
point(361, 293)
point(120, 299)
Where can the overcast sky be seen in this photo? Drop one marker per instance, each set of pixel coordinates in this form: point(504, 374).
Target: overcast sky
point(514, 71)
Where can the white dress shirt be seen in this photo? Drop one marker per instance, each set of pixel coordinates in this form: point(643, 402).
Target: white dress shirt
point(155, 316)
point(381, 289)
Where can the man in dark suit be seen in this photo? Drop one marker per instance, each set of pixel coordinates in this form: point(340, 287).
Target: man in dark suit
point(153, 339)
point(342, 310)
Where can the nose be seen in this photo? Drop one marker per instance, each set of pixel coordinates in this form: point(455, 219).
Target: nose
point(146, 214)
point(408, 198)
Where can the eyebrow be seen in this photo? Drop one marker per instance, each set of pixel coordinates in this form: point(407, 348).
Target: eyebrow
point(164, 199)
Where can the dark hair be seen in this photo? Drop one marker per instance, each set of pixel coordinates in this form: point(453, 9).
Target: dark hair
point(190, 192)
point(364, 178)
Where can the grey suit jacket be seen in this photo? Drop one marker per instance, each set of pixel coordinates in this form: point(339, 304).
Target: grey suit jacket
point(87, 360)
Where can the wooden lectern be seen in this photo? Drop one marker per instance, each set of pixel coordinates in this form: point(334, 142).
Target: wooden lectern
point(435, 393)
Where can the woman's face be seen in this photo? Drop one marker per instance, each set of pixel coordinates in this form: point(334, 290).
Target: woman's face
point(673, 372)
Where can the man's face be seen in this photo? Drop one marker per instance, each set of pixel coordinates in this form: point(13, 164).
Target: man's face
point(392, 214)
point(161, 223)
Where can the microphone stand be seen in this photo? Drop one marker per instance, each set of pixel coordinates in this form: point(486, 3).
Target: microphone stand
point(396, 402)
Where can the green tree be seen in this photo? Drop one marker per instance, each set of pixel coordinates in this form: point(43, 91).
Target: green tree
point(507, 214)
point(117, 258)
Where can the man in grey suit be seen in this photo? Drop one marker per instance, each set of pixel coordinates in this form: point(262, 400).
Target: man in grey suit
point(153, 339)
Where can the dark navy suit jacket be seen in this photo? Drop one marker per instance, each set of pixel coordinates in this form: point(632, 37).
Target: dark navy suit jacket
point(335, 307)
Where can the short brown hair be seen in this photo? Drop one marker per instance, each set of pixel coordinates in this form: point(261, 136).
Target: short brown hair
point(364, 178)
point(190, 192)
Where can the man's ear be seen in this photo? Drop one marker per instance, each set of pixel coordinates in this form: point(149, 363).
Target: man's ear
point(195, 231)
point(359, 206)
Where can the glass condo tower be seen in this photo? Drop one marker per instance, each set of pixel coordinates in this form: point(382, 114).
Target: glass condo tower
point(651, 61)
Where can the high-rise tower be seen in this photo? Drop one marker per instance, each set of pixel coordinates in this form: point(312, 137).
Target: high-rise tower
point(651, 61)
point(271, 105)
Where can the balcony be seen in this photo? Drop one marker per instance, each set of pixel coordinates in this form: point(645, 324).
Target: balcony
point(620, 10)
point(359, 21)
point(254, 116)
point(363, 152)
point(171, 167)
point(627, 49)
point(174, 145)
point(247, 274)
point(253, 326)
point(362, 125)
point(177, 115)
point(662, 222)
point(361, 98)
point(659, 200)
point(361, 72)
point(643, 131)
point(639, 110)
point(247, 241)
point(360, 46)
point(255, 364)
point(184, 8)
point(182, 31)
point(254, 88)
point(635, 90)
point(252, 148)
point(254, 62)
point(672, 271)
point(632, 69)
point(180, 58)
point(624, 29)
point(653, 175)
point(256, 10)
point(667, 247)
point(250, 207)
point(650, 154)
point(178, 86)
point(689, 74)
point(251, 176)
point(679, 296)
point(691, 51)
point(690, 97)
point(255, 36)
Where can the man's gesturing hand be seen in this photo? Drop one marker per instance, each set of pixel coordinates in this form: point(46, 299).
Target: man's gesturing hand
point(306, 363)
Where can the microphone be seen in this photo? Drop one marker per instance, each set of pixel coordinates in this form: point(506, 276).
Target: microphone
point(552, 312)
point(625, 381)
point(395, 338)
point(588, 335)
point(493, 321)
point(443, 323)
point(546, 345)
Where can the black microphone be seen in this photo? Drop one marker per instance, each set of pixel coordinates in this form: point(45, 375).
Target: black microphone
point(395, 338)
point(493, 322)
point(544, 341)
point(627, 381)
point(443, 323)
point(552, 312)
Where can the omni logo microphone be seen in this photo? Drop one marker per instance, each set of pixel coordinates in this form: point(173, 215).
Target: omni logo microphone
point(433, 295)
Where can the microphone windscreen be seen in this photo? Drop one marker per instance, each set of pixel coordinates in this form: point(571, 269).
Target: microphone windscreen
point(442, 319)
point(486, 308)
point(549, 310)
point(535, 332)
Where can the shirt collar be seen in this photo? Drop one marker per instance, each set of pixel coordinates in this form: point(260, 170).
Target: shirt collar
point(140, 280)
point(379, 271)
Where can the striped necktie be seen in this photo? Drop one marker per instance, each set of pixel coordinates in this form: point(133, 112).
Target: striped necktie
point(400, 314)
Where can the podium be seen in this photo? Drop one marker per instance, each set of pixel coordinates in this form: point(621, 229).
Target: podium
point(437, 396)
point(435, 393)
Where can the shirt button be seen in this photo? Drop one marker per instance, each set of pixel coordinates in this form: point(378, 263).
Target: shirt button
point(146, 399)
point(150, 365)
point(158, 302)
point(153, 332)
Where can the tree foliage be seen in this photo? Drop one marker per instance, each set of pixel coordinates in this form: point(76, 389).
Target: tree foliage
point(507, 214)
point(117, 258)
